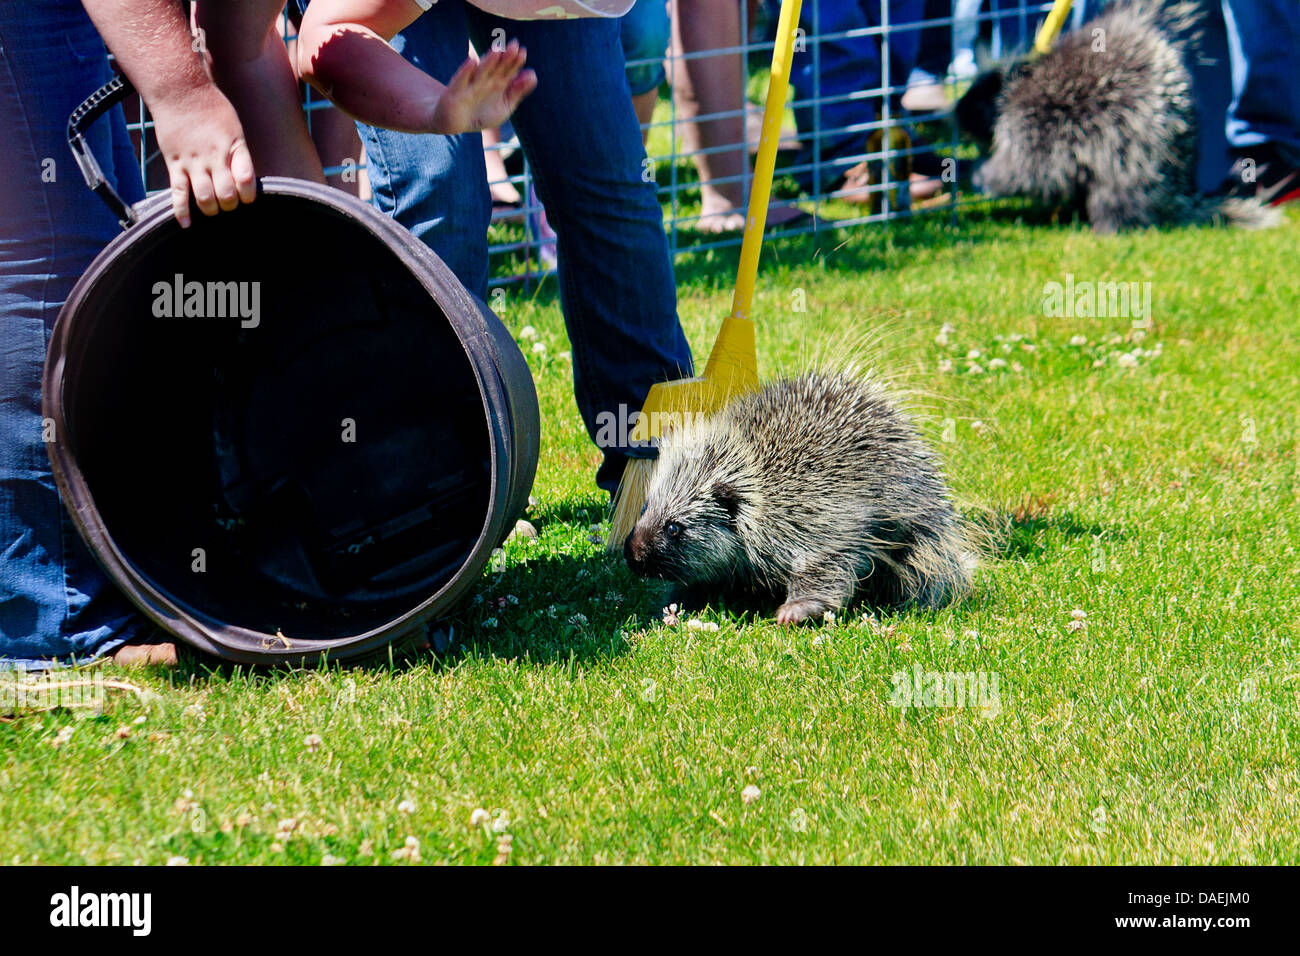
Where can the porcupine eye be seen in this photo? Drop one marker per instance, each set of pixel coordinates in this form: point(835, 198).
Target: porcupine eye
point(673, 530)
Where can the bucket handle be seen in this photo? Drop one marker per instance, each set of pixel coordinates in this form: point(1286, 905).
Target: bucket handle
point(83, 117)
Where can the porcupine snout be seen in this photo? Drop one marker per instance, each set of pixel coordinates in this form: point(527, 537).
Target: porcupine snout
point(639, 553)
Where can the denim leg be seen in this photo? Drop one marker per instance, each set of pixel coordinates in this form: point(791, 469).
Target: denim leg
point(834, 69)
point(1263, 42)
point(54, 600)
point(1014, 27)
point(904, 44)
point(617, 289)
point(934, 51)
point(435, 186)
point(1211, 94)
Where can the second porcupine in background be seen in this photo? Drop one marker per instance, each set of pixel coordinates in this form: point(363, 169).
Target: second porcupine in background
point(812, 489)
point(1105, 121)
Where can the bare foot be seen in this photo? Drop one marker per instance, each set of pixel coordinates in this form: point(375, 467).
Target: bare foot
point(504, 192)
point(140, 655)
point(926, 98)
point(857, 183)
point(507, 202)
point(719, 216)
point(924, 187)
point(754, 131)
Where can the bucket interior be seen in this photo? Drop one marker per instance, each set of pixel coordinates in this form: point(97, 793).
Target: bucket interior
point(315, 461)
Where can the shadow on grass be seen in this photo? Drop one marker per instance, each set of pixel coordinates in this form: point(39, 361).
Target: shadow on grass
point(864, 247)
point(586, 512)
point(1017, 534)
point(553, 608)
point(577, 609)
point(870, 247)
point(570, 609)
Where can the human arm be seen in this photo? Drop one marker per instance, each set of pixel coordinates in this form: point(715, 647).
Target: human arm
point(199, 134)
point(343, 52)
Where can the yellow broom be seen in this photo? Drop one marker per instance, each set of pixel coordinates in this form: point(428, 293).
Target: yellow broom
point(1051, 27)
point(733, 364)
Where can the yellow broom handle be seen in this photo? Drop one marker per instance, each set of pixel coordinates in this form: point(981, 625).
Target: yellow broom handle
point(765, 163)
point(1047, 33)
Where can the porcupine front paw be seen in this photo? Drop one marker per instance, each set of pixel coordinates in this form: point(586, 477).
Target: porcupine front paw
point(801, 609)
point(823, 586)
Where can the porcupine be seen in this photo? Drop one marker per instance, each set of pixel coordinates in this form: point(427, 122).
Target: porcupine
point(811, 490)
point(1105, 123)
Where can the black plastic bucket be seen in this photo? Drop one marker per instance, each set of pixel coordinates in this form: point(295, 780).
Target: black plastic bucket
point(320, 461)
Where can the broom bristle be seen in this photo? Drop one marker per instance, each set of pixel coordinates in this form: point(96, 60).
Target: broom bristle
point(628, 501)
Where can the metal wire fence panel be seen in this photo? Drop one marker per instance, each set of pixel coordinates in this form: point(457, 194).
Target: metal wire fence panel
point(869, 134)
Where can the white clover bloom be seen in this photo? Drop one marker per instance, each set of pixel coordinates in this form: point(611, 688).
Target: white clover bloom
point(409, 851)
point(695, 624)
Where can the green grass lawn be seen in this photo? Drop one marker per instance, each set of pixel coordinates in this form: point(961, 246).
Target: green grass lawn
point(1156, 490)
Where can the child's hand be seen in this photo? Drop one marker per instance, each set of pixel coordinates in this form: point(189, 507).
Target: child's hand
point(483, 94)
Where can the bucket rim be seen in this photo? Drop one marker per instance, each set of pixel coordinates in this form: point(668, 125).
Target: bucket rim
point(232, 642)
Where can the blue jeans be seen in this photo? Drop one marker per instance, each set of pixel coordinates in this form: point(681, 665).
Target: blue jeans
point(1263, 48)
point(1015, 26)
point(583, 143)
point(54, 600)
point(1247, 83)
point(837, 68)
